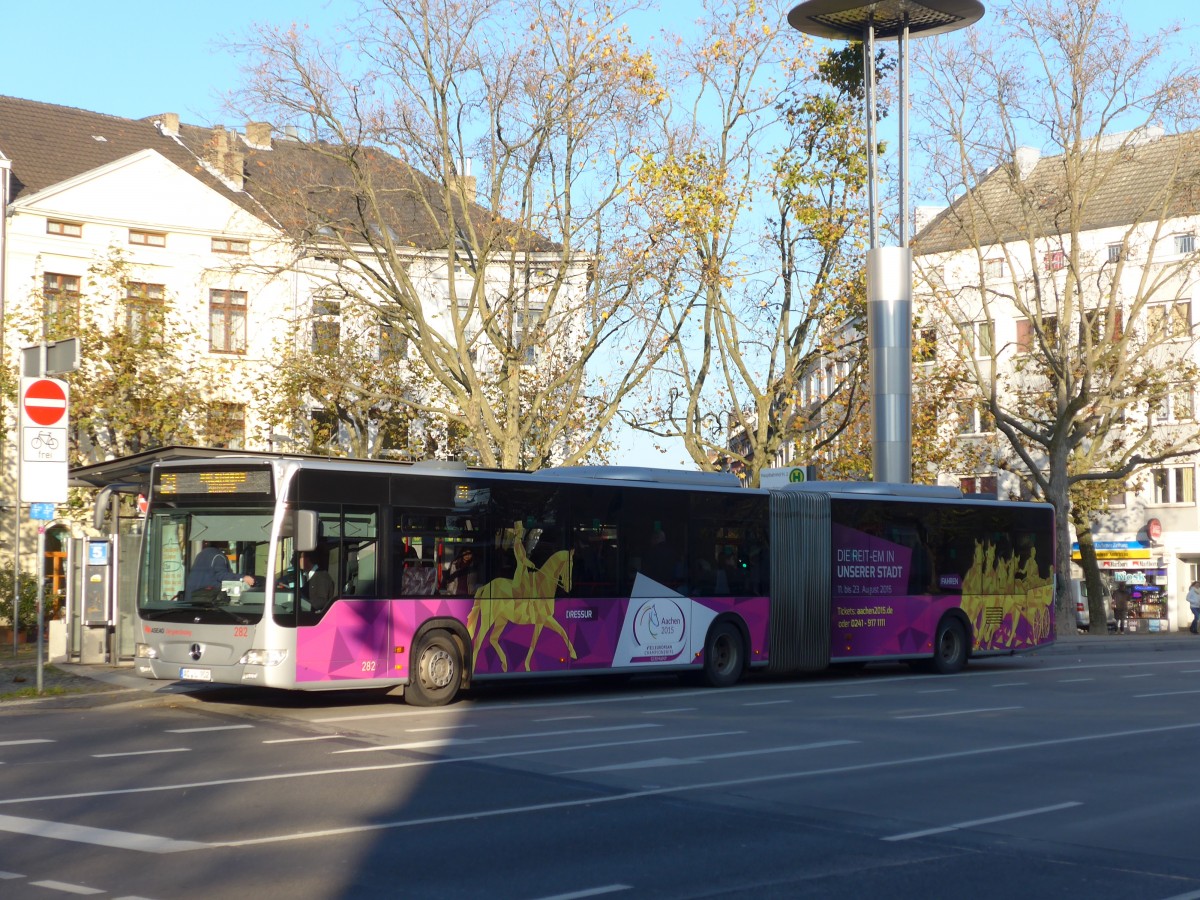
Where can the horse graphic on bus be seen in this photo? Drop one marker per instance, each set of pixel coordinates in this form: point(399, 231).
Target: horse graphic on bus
point(525, 599)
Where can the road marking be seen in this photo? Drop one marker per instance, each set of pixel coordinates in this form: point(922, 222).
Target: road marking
point(1073, 680)
point(8, 876)
point(852, 696)
point(102, 837)
point(27, 741)
point(1141, 675)
point(1011, 684)
point(766, 703)
point(907, 836)
point(468, 742)
point(1164, 694)
point(589, 892)
point(663, 712)
point(67, 888)
point(301, 740)
point(563, 718)
point(959, 712)
point(438, 728)
point(141, 752)
point(210, 728)
point(692, 760)
point(938, 691)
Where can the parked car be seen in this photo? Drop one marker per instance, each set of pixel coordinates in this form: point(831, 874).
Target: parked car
point(1083, 615)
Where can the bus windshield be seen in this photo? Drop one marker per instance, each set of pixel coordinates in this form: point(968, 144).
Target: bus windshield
point(205, 565)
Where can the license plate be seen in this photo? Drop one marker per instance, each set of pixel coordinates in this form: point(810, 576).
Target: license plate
point(195, 674)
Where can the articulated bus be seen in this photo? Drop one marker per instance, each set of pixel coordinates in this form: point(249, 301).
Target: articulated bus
point(426, 578)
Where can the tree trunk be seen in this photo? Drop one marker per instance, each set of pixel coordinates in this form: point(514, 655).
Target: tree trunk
point(1097, 617)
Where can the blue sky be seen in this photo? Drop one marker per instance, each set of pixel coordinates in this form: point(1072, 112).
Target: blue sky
point(135, 58)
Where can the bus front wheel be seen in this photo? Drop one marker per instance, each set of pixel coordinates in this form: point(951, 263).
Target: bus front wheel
point(949, 647)
point(724, 655)
point(437, 671)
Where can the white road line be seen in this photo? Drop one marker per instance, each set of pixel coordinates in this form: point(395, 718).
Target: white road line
point(469, 742)
point(693, 760)
point(67, 888)
point(1011, 684)
point(1190, 895)
point(301, 740)
point(939, 691)
point(210, 728)
point(438, 728)
point(959, 712)
point(852, 696)
point(701, 786)
point(141, 752)
point(357, 770)
point(27, 741)
point(1188, 671)
point(663, 712)
point(563, 718)
point(8, 876)
point(589, 892)
point(102, 837)
point(1073, 680)
point(1164, 694)
point(908, 836)
point(766, 703)
point(1141, 675)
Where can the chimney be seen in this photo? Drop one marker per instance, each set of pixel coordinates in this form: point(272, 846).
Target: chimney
point(225, 162)
point(463, 180)
point(258, 135)
point(169, 124)
point(1026, 160)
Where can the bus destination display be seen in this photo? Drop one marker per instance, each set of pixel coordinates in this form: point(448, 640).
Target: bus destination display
point(215, 481)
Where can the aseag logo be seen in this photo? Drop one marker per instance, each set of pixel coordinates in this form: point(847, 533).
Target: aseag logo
point(659, 627)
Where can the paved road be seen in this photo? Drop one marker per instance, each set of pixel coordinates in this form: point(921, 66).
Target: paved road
point(1065, 774)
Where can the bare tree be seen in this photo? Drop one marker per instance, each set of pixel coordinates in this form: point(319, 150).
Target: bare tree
point(1075, 245)
point(512, 287)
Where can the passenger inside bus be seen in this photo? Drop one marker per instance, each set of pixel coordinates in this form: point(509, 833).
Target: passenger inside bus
point(210, 570)
point(316, 585)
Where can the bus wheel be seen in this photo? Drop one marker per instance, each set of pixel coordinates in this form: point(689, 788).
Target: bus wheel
point(949, 647)
point(724, 655)
point(437, 671)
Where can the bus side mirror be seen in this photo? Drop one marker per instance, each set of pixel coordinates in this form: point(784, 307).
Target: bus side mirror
point(306, 530)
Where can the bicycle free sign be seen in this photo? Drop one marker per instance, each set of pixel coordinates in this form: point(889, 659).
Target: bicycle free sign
point(44, 403)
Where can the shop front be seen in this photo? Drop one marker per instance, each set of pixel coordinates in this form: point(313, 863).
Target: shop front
point(1138, 566)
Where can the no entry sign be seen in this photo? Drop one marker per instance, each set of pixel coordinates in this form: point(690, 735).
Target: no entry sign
point(44, 402)
point(44, 440)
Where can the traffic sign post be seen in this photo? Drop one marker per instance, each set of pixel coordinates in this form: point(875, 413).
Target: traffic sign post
point(44, 404)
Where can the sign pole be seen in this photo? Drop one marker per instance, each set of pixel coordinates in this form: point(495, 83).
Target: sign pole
point(41, 608)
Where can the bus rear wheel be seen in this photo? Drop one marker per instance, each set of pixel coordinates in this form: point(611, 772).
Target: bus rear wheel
point(437, 671)
point(949, 647)
point(724, 655)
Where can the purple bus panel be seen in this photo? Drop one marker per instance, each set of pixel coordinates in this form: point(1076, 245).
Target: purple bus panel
point(887, 598)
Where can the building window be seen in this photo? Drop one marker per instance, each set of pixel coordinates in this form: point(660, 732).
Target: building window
point(147, 238)
point(1169, 321)
point(973, 418)
point(1175, 484)
point(1097, 322)
point(978, 484)
point(392, 344)
point(1176, 405)
point(994, 268)
point(327, 325)
point(977, 338)
point(227, 321)
point(144, 309)
point(1114, 253)
point(61, 296)
point(230, 245)
point(1054, 260)
point(925, 346)
point(1185, 243)
point(64, 229)
point(225, 425)
point(1116, 500)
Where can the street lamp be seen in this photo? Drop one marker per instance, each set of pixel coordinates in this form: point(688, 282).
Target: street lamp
point(889, 269)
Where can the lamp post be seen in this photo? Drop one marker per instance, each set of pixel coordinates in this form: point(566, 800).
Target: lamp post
point(889, 269)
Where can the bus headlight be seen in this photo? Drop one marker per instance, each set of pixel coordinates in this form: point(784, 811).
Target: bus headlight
point(145, 651)
point(263, 657)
